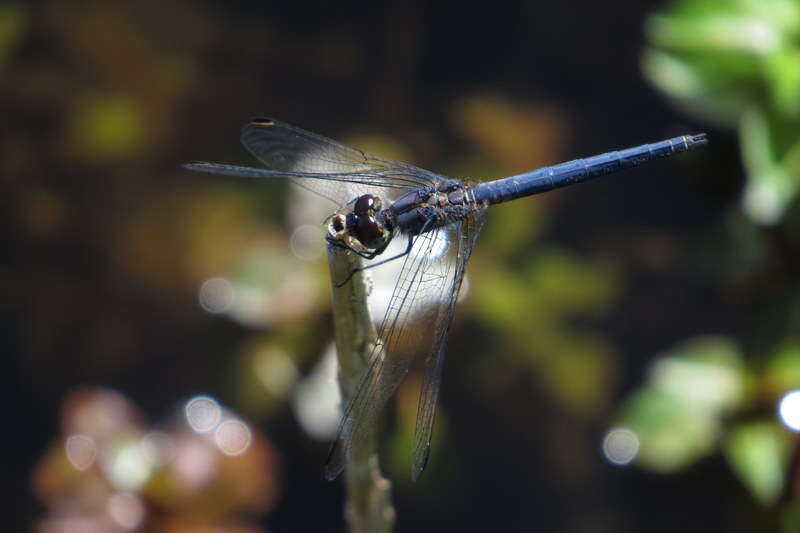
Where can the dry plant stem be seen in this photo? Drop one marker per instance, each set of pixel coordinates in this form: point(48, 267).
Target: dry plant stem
point(368, 508)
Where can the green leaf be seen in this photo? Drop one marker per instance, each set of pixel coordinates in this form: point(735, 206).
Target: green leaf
point(677, 415)
point(672, 434)
point(782, 372)
point(109, 126)
point(744, 26)
point(706, 373)
point(710, 88)
point(565, 282)
point(759, 454)
point(514, 227)
point(771, 153)
point(782, 72)
point(717, 58)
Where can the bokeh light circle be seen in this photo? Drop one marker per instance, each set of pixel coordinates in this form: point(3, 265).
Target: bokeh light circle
point(789, 410)
point(620, 446)
point(216, 295)
point(81, 451)
point(307, 242)
point(203, 413)
point(233, 437)
point(126, 510)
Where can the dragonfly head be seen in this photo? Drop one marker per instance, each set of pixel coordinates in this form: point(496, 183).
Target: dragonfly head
point(362, 226)
point(365, 224)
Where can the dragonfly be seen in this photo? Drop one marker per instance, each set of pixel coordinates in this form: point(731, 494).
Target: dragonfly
point(376, 200)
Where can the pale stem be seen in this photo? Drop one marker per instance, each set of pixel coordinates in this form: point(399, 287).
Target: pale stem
point(368, 508)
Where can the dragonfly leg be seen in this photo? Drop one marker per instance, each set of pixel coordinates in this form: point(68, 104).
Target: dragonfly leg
point(411, 241)
point(365, 255)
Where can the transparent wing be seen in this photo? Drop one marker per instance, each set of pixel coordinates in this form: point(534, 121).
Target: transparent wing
point(317, 163)
point(426, 410)
point(340, 188)
point(418, 315)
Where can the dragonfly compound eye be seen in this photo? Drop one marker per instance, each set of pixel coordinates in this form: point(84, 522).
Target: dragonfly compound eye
point(367, 204)
point(369, 232)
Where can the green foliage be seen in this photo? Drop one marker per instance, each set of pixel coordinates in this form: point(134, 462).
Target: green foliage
point(678, 413)
point(782, 372)
point(736, 63)
point(534, 308)
point(681, 413)
point(759, 454)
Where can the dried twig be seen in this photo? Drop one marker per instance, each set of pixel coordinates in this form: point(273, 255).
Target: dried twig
point(369, 507)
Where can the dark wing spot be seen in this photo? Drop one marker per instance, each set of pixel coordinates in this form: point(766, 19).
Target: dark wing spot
point(261, 121)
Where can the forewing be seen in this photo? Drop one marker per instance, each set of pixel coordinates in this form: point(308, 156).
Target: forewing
point(426, 410)
point(414, 313)
point(316, 163)
point(337, 187)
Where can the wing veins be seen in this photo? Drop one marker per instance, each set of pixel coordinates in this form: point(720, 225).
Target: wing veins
point(360, 416)
point(434, 362)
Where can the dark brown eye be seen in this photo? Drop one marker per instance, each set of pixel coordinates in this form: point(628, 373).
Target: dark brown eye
point(368, 231)
point(365, 203)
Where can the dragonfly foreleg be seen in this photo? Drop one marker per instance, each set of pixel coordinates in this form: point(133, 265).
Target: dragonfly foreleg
point(411, 240)
point(365, 255)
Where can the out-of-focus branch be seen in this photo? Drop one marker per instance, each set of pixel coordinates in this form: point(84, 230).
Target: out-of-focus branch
point(368, 508)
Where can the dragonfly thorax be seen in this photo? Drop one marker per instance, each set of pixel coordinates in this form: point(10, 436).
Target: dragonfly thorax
point(361, 227)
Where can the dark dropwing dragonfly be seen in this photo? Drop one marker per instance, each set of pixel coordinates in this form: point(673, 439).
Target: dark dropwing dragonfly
point(376, 200)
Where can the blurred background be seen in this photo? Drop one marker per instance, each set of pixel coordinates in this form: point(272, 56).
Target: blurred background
point(625, 355)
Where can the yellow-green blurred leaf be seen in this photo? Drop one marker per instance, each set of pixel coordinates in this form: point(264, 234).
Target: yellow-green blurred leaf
point(783, 76)
point(12, 25)
point(782, 372)
point(566, 283)
point(108, 127)
point(513, 226)
point(499, 298)
point(579, 377)
point(743, 26)
point(771, 152)
point(519, 135)
point(704, 92)
point(705, 373)
point(673, 434)
point(267, 375)
point(759, 454)
point(716, 58)
point(677, 415)
point(535, 307)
